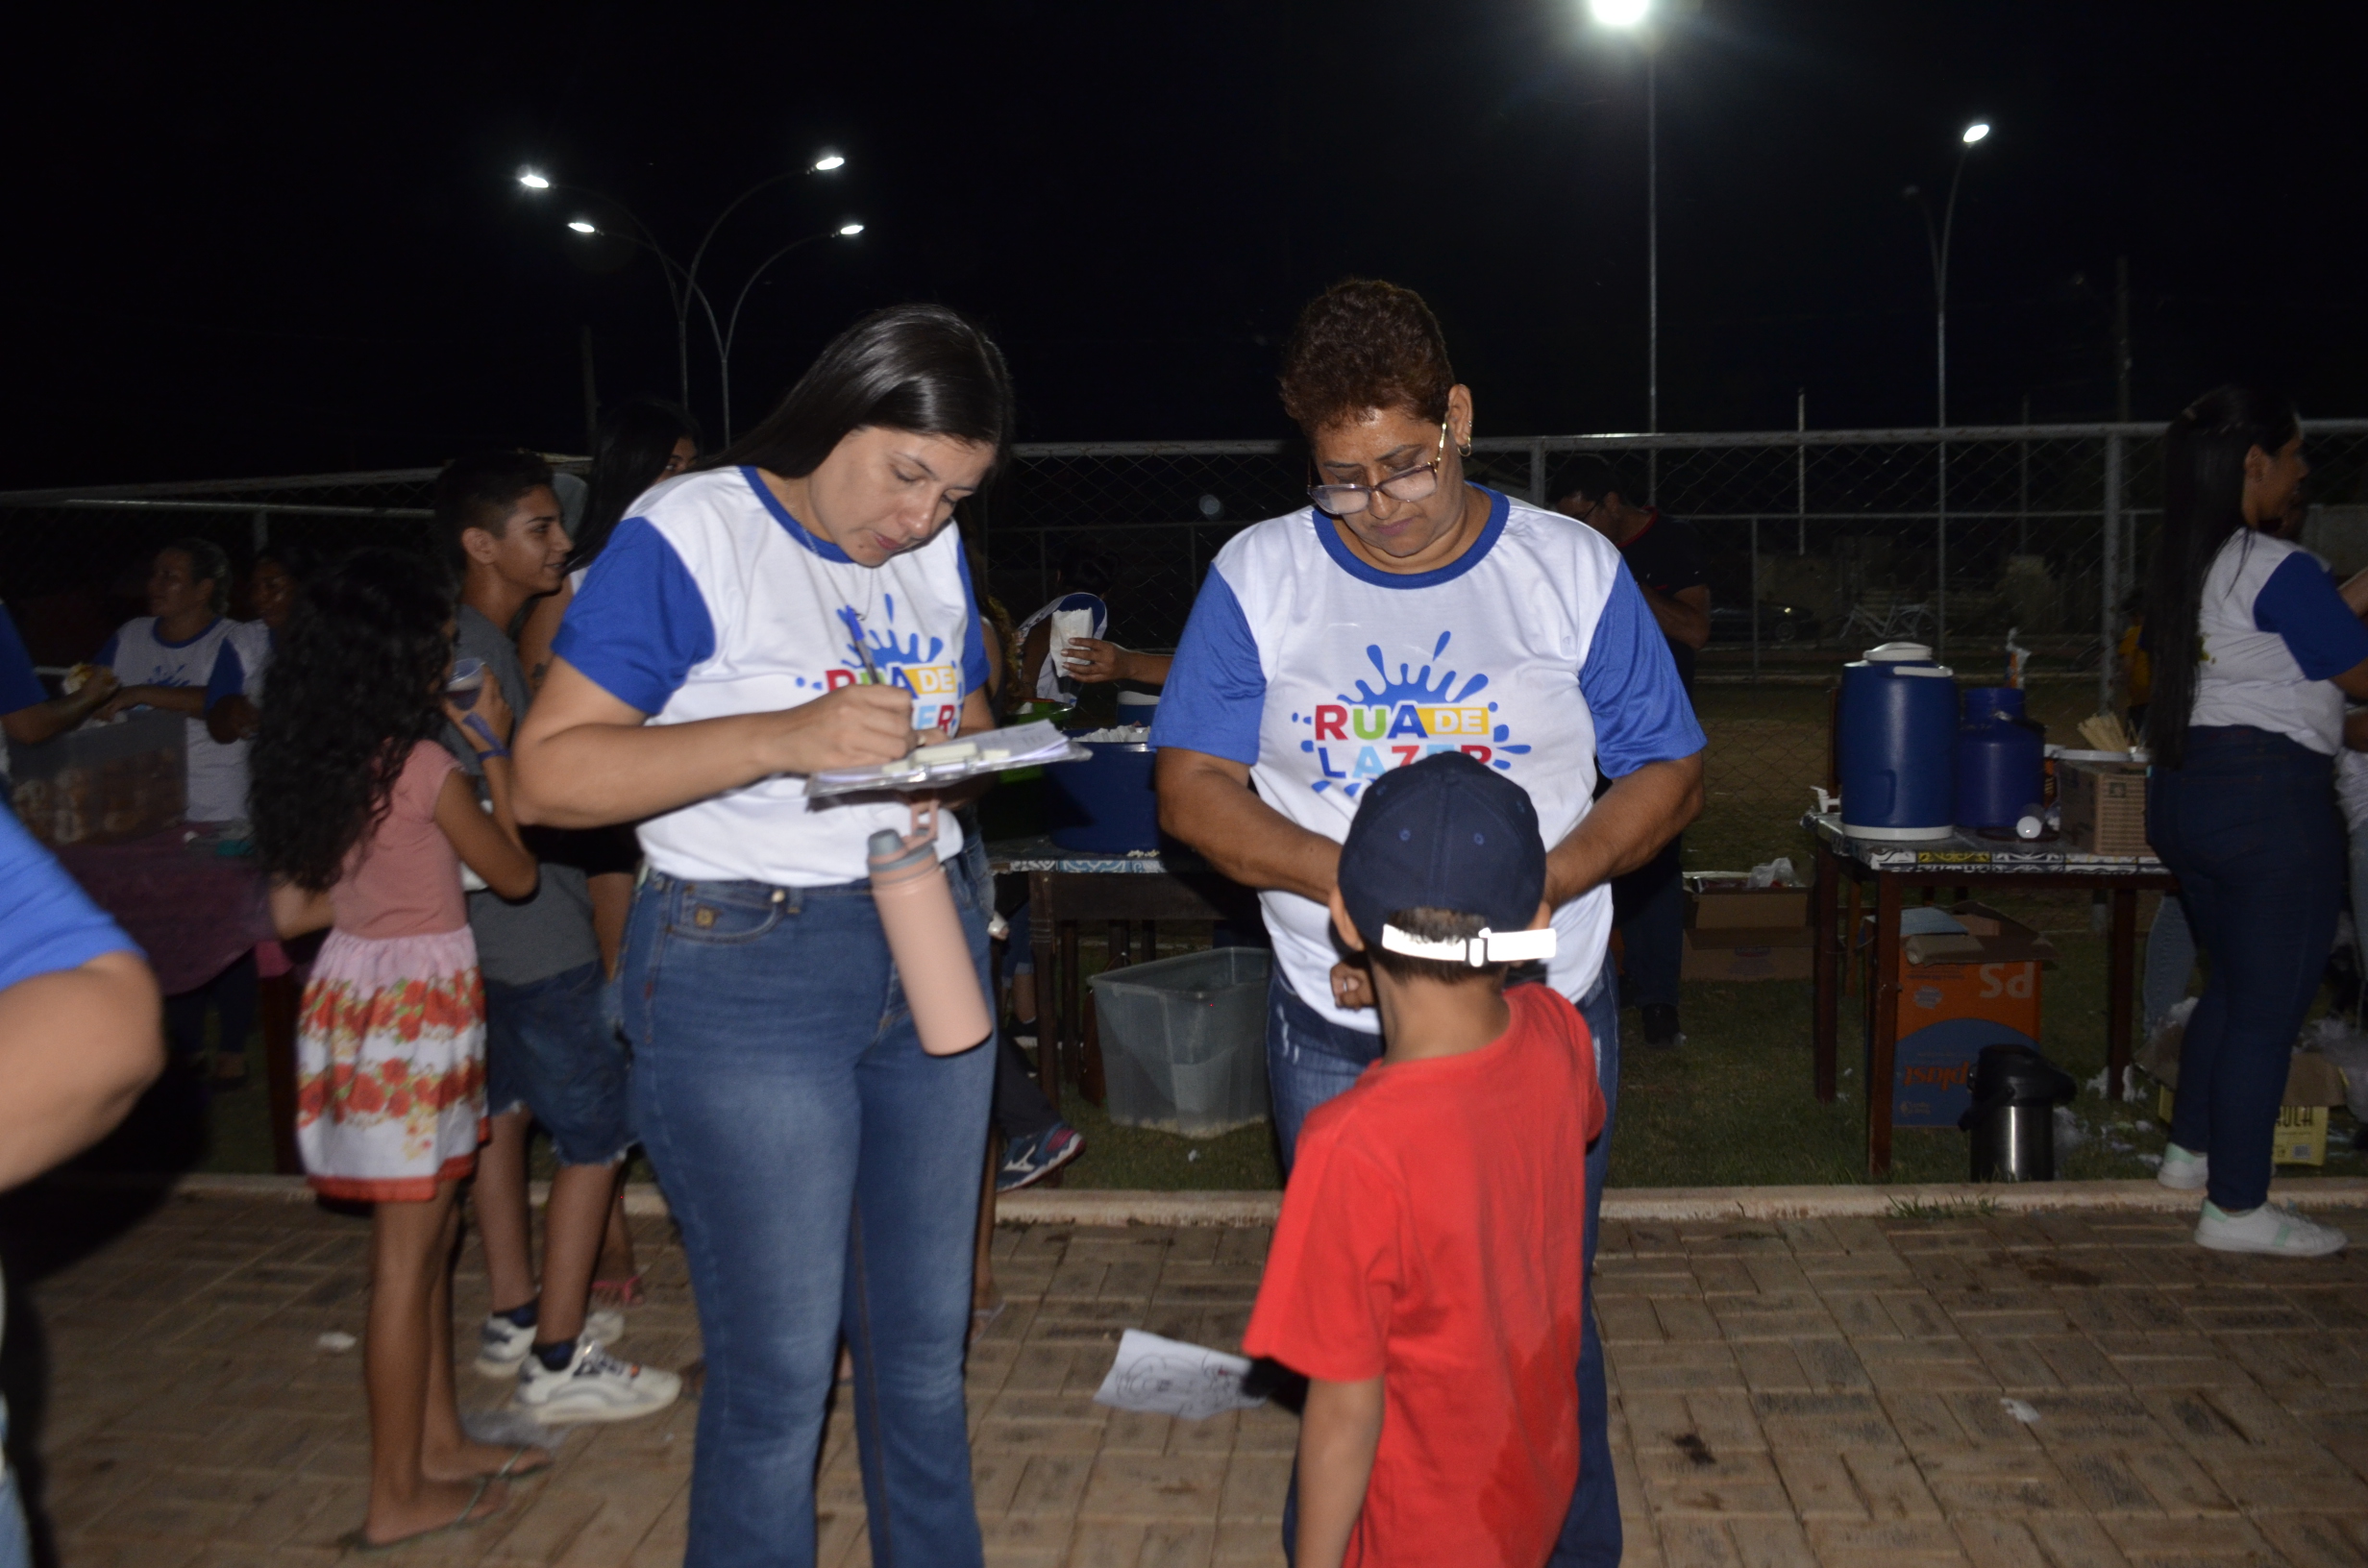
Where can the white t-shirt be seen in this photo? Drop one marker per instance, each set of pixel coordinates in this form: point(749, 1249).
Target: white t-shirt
point(218, 791)
point(1533, 651)
point(2273, 632)
point(712, 601)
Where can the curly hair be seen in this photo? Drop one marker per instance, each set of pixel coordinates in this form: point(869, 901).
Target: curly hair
point(355, 682)
point(1364, 344)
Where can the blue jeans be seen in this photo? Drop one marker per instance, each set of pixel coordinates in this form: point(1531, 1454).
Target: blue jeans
point(1309, 1059)
point(15, 1542)
point(550, 1049)
point(824, 1171)
point(2248, 825)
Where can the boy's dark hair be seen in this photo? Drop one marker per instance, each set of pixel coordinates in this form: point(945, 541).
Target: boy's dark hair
point(208, 563)
point(1593, 476)
point(1088, 569)
point(1435, 925)
point(479, 491)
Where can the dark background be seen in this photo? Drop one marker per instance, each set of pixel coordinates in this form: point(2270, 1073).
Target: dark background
point(249, 241)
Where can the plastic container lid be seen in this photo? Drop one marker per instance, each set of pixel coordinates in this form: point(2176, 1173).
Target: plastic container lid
point(1899, 654)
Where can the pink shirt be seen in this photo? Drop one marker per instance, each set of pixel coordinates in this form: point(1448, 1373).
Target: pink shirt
point(403, 880)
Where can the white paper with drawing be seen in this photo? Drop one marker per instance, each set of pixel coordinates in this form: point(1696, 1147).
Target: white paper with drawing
point(1166, 1376)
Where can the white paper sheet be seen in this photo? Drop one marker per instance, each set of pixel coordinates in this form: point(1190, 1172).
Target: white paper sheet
point(1067, 626)
point(996, 750)
point(1166, 1376)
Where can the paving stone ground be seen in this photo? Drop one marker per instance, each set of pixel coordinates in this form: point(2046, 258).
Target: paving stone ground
point(1967, 1390)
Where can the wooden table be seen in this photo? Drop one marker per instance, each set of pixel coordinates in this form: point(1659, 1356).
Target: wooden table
point(1954, 862)
point(1066, 887)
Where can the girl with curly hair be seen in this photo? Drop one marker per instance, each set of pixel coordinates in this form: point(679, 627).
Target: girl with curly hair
point(365, 822)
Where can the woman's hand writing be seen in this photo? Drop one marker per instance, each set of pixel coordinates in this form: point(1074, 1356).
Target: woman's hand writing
point(855, 727)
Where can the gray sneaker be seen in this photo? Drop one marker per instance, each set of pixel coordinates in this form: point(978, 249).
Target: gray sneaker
point(593, 1386)
point(502, 1345)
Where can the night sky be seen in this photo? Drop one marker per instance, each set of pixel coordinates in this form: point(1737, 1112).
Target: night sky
point(243, 248)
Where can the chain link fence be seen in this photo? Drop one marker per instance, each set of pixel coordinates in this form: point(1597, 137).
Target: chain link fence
point(1818, 544)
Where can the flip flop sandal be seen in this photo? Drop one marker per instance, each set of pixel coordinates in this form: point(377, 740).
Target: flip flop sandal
point(357, 1540)
point(512, 1470)
point(982, 1319)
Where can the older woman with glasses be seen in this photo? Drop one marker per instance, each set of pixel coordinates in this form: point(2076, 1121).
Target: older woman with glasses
point(1409, 611)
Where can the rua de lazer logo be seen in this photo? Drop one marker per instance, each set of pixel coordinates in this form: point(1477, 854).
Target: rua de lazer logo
point(1404, 720)
point(903, 660)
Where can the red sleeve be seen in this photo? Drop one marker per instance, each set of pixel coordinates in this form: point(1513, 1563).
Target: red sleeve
point(1332, 1273)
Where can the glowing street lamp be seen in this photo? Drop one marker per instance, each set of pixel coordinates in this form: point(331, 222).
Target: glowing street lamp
point(581, 227)
point(1975, 132)
point(1618, 13)
point(827, 163)
point(849, 231)
point(533, 180)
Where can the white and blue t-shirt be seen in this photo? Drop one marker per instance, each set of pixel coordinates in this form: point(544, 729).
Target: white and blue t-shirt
point(1532, 651)
point(218, 790)
point(711, 601)
point(238, 668)
point(2273, 633)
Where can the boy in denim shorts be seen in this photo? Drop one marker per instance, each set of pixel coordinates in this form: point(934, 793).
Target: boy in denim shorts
point(551, 1056)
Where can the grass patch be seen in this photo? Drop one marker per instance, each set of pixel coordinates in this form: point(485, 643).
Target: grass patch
point(1918, 1209)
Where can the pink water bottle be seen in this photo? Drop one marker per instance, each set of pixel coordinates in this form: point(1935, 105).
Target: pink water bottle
point(926, 939)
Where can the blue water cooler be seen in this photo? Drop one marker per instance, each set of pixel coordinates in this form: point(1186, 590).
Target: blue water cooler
point(1998, 758)
point(1898, 745)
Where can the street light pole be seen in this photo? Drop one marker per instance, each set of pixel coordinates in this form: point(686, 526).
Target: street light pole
point(1938, 242)
point(731, 327)
point(1635, 16)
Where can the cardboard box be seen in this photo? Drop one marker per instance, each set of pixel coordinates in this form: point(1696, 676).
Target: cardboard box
point(2104, 805)
point(1951, 1006)
point(1783, 953)
point(2312, 1083)
point(1746, 909)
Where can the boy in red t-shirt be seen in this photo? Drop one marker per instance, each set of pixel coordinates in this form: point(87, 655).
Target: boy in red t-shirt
point(1426, 1274)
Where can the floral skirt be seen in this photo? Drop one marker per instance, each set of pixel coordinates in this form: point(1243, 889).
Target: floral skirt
point(390, 1066)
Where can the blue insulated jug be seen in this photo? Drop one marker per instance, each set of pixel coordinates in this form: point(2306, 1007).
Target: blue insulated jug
point(1998, 758)
point(1898, 745)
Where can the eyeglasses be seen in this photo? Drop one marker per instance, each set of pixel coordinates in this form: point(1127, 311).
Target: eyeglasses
point(1417, 483)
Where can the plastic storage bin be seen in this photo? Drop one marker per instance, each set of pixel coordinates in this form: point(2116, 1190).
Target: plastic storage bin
point(1184, 1040)
point(1105, 805)
point(103, 783)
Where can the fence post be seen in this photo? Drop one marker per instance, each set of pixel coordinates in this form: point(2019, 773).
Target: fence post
point(2108, 573)
point(1192, 554)
point(1755, 601)
point(1800, 473)
point(1537, 472)
point(1940, 552)
point(1043, 575)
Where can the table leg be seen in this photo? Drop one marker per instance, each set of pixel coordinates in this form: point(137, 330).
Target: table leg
point(1074, 1019)
point(1048, 986)
point(1823, 1002)
point(1882, 1040)
point(276, 1001)
point(2120, 975)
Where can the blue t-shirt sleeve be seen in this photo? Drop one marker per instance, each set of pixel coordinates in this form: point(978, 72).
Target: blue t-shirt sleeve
point(974, 673)
point(2300, 603)
point(1215, 696)
point(1631, 686)
point(639, 624)
point(19, 686)
point(229, 677)
point(47, 922)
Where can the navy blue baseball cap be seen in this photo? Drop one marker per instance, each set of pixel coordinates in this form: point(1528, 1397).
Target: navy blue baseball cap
point(1449, 833)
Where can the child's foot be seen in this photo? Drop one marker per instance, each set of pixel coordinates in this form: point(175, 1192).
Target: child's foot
point(1027, 1160)
point(591, 1385)
point(474, 1462)
point(502, 1343)
point(437, 1507)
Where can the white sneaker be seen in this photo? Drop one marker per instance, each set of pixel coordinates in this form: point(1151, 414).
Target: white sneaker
point(2182, 1171)
point(500, 1344)
point(593, 1386)
point(2269, 1229)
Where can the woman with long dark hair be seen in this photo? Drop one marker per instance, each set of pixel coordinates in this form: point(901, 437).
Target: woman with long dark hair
point(2254, 649)
point(799, 603)
point(365, 822)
